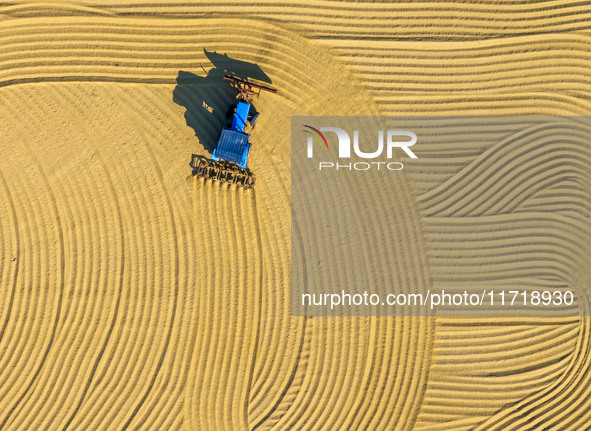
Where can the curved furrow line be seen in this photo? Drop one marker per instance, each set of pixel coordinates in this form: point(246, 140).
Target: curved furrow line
point(377, 335)
point(221, 347)
point(570, 417)
point(33, 9)
point(333, 415)
point(558, 403)
point(391, 334)
point(561, 197)
point(556, 236)
point(159, 411)
point(472, 54)
point(88, 276)
point(497, 338)
point(302, 408)
point(447, 383)
point(569, 80)
point(512, 361)
point(223, 247)
point(174, 153)
point(173, 315)
point(23, 189)
point(238, 402)
point(334, 7)
point(148, 35)
point(413, 62)
point(449, 331)
point(344, 362)
point(4, 252)
point(343, 352)
point(69, 97)
point(71, 250)
point(229, 414)
point(326, 19)
point(250, 246)
point(133, 231)
point(12, 253)
point(529, 103)
point(298, 372)
point(19, 330)
point(561, 228)
point(497, 342)
point(464, 388)
point(550, 404)
point(384, 417)
point(41, 407)
point(258, 309)
point(78, 310)
point(36, 322)
point(415, 66)
point(288, 60)
point(538, 264)
point(268, 373)
point(404, 346)
point(204, 191)
point(29, 291)
point(263, 373)
point(506, 165)
point(547, 170)
point(61, 277)
point(115, 274)
point(420, 332)
point(420, 348)
point(277, 405)
point(253, 256)
point(149, 152)
point(351, 391)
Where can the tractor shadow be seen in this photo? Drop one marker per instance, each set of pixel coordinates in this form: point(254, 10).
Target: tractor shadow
point(208, 99)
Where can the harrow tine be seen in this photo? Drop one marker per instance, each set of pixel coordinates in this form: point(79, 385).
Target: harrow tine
point(222, 172)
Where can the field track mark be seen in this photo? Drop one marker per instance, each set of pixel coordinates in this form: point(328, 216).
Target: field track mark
point(173, 217)
point(259, 304)
point(302, 329)
point(14, 224)
point(69, 99)
point(163, 113)
point(60, 281)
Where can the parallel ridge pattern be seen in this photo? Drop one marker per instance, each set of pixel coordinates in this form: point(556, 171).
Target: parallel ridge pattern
point(170, 299)
point(109, 258)
point(373, 20)
point(515, 217)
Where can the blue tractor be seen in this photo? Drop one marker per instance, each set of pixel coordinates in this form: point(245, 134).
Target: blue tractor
point(229, 159)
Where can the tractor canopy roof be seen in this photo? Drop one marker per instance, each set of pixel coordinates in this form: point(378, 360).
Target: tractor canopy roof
point(232, 146)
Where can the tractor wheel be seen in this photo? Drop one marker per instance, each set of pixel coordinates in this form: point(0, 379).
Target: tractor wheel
point(254, 119)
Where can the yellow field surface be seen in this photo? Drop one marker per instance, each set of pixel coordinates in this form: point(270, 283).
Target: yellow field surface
point(135, 296)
